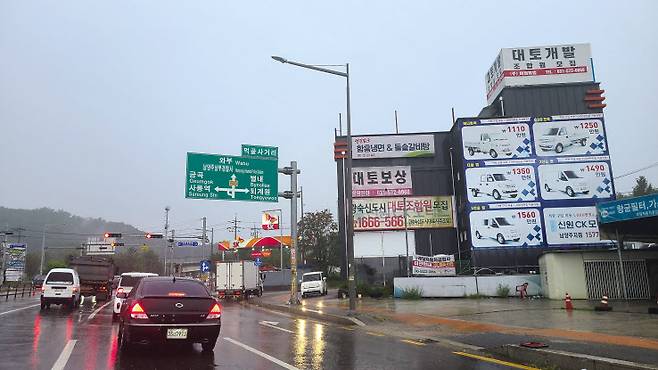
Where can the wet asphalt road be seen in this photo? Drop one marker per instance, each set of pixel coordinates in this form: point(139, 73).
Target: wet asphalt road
point(34, 339)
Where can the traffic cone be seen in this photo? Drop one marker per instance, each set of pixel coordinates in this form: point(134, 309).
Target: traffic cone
point(604, 304)
point(654, 310)
point(567, 302)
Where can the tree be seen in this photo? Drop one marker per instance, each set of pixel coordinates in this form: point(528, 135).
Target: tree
point(643, 187)
point(142, 260)
point(318, 243)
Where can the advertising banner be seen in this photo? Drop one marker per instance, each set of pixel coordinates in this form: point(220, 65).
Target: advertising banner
point(506, 228)
point(381, 181)
point(14, 261)
point(422, 212)
point(590, 180)
point(392, 146)
point(501, 184)
point(539, 65)
point(270, 221)
point(570, 137)
point(497, 141)
point(573, 225)
point(439, 265)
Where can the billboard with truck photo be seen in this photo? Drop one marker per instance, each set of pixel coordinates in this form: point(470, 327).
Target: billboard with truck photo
point(535, 181)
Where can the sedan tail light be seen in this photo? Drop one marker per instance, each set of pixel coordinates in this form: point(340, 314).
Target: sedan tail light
point(215, 312)
point(43, 288)
point(137, 312)
point(119, 290)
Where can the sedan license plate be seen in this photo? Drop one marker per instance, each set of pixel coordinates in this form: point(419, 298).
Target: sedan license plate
point(176, 333)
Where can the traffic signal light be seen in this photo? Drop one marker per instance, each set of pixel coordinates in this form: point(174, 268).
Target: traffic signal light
point(153, 236)
point(112, 235)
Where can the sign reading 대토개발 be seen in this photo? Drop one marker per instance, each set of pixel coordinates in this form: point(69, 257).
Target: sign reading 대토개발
point(381, 181)
point(225, 177)
point(537, 66)
point(422, 212)
point(392, 146)
point(439, 265)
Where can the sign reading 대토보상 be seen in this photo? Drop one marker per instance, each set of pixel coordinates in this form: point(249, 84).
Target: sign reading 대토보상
point(381, 181)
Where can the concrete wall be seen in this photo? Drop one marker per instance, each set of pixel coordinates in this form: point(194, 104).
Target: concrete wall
point(460, 286)
point(563, 273)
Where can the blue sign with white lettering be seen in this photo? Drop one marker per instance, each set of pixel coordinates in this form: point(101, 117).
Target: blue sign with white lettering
point(628, 209)
point(205, 266)
point(258, 262)
point(187, 243)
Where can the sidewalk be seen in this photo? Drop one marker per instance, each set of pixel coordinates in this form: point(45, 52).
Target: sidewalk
point(627, 333)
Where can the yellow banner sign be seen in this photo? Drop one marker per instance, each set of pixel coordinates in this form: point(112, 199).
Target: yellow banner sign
point(422, 212)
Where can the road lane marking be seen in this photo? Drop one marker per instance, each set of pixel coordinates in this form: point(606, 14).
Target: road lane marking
point(273, 325)
point(346, 328)
point(64, 356)
point(496, 361)
point(415, 343)
point(18, 309)
point(375, 334)
point(93, 314)
point(262, 354)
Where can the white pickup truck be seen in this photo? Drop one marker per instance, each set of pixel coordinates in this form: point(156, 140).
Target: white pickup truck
point(497, 228)
point(496, 185)
point(493, 144)
point(567, 182)
point(558, 138)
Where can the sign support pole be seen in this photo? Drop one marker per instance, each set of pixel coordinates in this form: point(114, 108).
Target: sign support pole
point(406, 234)
point(293, 235)
point(620, 244)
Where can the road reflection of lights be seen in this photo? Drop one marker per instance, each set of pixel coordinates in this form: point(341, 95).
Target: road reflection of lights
point(91, 351)
point(69, 328)
point(114, 347)
point(318, 346)
point(36, 334)
point(300, 344)
point(320, 304)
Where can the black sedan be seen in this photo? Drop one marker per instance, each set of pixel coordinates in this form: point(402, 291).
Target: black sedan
point(169, 310)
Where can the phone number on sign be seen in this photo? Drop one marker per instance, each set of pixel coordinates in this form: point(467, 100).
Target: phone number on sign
point(377, 222)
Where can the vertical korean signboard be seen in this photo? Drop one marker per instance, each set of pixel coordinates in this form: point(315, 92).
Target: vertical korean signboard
point(539, 65)
point(535, 181)
point(14, 261)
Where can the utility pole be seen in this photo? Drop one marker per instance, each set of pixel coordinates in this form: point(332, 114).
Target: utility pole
point(164, 241)
point(255, 231)
point(203, 237)
point(212, 242)
point(172, 271)
point(292, 171)
point(234, 229)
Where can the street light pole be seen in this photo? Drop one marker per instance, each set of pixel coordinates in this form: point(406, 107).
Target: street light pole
point(349, 220)
point(164, 240)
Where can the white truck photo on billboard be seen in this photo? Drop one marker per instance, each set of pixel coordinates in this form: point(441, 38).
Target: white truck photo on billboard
point(506, 228)
point(570, 137)
point(575, 181)
point(497, 141)
point(501, 184)
point(573, 225)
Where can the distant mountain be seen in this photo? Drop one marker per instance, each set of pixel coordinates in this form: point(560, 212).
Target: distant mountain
point(63, 230)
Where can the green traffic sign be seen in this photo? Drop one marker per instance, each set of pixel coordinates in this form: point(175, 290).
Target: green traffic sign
point(259, 151)
point(225, 177)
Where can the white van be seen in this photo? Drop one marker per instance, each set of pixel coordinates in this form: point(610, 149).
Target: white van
point(313, 283)
point(61, 286)
point(127, 282)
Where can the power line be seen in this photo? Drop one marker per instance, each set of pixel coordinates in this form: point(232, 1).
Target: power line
point(636, 171)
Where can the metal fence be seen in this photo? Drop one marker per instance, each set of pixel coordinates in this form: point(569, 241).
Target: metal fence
point(604, 278)
point(22, 291)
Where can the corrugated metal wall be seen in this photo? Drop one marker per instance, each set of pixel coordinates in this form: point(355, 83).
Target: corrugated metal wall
point(604, 278)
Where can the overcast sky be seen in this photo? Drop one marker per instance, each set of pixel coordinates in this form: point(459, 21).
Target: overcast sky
point(100, 101)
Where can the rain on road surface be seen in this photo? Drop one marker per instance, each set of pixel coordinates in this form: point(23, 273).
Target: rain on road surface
point(250, 338)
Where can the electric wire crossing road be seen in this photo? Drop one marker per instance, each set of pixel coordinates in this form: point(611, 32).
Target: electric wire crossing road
point(250, 338)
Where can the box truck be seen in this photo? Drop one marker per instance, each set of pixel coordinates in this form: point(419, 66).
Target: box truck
point(238, 279)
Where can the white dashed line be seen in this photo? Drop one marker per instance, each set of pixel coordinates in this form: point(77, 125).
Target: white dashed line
point(262, 354)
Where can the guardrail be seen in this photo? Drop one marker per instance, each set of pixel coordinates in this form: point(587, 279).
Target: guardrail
point(17, 291)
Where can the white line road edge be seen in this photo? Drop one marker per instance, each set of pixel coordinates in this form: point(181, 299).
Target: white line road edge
point(98, 310)
point(273, 326)
point(19, 309)
point(262, 354)
point(64, 356)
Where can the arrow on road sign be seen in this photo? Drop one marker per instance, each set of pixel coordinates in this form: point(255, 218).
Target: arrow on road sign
point(232, 190)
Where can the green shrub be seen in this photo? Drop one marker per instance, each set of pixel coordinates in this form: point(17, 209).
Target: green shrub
point(476, 296)
point(502, 290)
point(363, 289)
point(412, 293)
point(376, 292)
point(388, 290)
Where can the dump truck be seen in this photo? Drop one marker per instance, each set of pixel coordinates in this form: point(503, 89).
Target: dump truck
point(96, 274)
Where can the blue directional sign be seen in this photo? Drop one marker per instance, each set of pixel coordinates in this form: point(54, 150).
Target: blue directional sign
point(628, 209)
point(258, 262)
point(204, 266)
point(187, 243)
